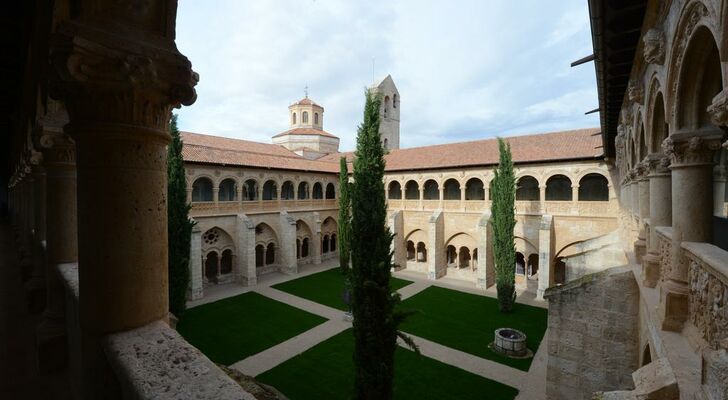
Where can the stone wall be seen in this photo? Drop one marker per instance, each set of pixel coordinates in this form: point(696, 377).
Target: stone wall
point(593, 335)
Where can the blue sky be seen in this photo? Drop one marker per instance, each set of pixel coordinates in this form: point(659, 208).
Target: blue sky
point(466, 70)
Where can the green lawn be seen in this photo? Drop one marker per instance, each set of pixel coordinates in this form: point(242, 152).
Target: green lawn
point(232, 329)
point(326, 287)
point(326, 372)
point(466, 322)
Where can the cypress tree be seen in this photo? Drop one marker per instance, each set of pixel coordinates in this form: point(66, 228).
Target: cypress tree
point(179, 225)
point(504, 220)
point(375, 319)
point(344, 216)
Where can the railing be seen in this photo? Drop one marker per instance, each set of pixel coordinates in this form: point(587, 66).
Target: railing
point(533, 207)
point(664, 239)
point(708, 291)
point(264, 206)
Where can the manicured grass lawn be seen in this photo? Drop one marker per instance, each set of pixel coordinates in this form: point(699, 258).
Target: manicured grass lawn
point(232, 329)
point(327, 372)
point(466, 322)
point(326, 287)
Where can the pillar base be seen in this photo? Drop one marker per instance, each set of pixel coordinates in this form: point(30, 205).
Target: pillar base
point(673, 305)
point(52, 351)
point(650, 270)
point(640, 248)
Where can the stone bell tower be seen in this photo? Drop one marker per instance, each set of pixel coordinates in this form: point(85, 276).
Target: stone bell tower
point(389, 113)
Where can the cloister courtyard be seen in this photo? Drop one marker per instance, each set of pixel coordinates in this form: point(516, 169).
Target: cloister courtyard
point(291, 332)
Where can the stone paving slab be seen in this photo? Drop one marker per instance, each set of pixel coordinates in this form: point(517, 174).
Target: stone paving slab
point(534, 388)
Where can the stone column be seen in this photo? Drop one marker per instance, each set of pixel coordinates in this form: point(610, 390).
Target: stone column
point(119, 81)
point(245, 270)
point(196, 289)
point(719, 179)
point(463, 189)
point(289, 264)
point(216, 195)
point(315, 246)
point(542, 198)
point(441, 199)
point(575, 198)
point(239, 194)
point(486, 270)
point(395, 221)
point(634, 191)
point(545, 255)
point(436, 262)
point(189, 195)
point(422, 197)
point(641, 190)
point(660, 214)
point(61, 245)
point(692, 213)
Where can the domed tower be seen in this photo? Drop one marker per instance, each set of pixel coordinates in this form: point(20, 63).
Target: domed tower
point(389, 112)
point(307, 137)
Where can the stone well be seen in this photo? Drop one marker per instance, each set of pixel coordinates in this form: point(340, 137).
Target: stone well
point(510, 342)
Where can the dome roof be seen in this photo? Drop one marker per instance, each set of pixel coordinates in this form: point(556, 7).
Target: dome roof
point(305, 102)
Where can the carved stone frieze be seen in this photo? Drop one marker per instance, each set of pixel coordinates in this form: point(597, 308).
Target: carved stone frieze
point(654, 46)
point(708, 303)
point(693, 151)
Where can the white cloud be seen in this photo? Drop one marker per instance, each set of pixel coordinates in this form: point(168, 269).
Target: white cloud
point(465, 69)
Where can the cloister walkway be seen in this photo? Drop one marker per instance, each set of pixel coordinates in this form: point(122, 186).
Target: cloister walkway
point(531, 384)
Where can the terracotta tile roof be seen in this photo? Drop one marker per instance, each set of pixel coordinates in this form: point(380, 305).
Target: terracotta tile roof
point(306, 102)
point(554, 146)
point(225, 151)
point(306, 131)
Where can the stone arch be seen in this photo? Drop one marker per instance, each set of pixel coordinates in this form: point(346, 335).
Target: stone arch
point(412, 190)
point(474, 189)
point(451, 189)
point(461, 239)
point(329, 226)
point(202, 189)
point(303, 230)
point(593, 187)
point(325, 244)
point(527, 188)
point(421, 252)
point(642, 140)
point(318, 191)
point(270, 190)
point(250, 190)
point(395, 190)
point(524, 245)
point(303, 190)
point(216, 239)
point(655, 116)
point(431, 190)
point(227, 191)
point(287, 192)
point(558, 188)
point(417, 235)
point(265, 234)
point(330, 191)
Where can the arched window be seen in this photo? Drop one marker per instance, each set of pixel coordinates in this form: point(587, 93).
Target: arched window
point(330, 191)
point(227, 190)
point(527, 189)
point(304, 117)
point(395, 101)
point(558, 188)
point(421, 252)
point(325, 244)
point(303, 191)
point(332, 243)
point(304, 248)
point(412, 191)
point(259, 255)
point(202, 190)
point(452, 190)
point(287, 191)
point(318, 192)
point(520, 264)
point(432, 190)
point(699, 81)
point(315, 118)
point(226, 262)
point(464, 257)
point(395, 190)
point(270, 254)
point(474, 189)
point(270, 191)
point(451, 255)
point(250, 190)
point(211, 266)
point(386, 106)
point(410, 250)
point(298, 249)
point(593, 187)
point(293, 119)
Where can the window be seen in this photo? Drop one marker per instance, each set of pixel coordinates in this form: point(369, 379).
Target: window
point(330, 191)
point(386, 106)
point(593, 187)
point(558, 188)
point(293, 119)
point(315, 118)
point(527, 189)
point(304, 117)
point(395, 190)
point(395, 100)
point(202, 190)
point(452, 190)
point(228, 190)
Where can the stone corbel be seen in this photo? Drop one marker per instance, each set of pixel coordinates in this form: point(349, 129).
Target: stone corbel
point(654, 46)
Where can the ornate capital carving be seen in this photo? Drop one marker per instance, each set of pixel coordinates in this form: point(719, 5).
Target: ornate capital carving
point(658, 163)
point(654, 46)
point(641, 169)
point(108, 78)
point(718, 109)
point(696, 150)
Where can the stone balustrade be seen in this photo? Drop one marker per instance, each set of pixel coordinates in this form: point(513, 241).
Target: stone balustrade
point(708, 291)
point(664, 235)
point(200, 208)
point(535, 207)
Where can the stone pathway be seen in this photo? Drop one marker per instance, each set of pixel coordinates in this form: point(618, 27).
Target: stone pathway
point(532, 384)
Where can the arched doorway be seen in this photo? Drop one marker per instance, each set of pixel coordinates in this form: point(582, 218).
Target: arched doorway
point(211, 265)
point(421, 252)
point(226, 262)
point(410, 250)
point(259, 255)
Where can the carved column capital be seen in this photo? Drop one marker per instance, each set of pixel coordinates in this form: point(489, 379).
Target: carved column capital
point(95, 67)
point(654, 46)
point(58, 148)
point(658, 164)
point(718, 109)
point(695, 150)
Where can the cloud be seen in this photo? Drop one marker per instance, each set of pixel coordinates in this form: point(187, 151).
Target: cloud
point(465, 69)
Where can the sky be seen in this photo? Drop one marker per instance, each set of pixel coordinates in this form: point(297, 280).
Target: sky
point(465, 69)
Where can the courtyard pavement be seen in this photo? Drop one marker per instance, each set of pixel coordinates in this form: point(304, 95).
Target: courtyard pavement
point(531, 384)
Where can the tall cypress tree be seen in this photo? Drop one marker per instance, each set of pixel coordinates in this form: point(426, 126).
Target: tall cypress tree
point(344, 216)
point(375, 319)
point(179, 225)
point(504, 220)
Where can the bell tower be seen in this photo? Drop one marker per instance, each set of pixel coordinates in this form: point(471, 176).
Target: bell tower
point(389, 112)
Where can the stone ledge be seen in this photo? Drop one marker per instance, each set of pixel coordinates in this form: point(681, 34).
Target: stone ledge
point(665, 231)
point(584, 280)
point(69, 277)
point(155, 362)
point(715, 258)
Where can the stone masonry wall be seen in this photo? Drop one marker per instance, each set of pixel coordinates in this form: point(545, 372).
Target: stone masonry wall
point(593, 335)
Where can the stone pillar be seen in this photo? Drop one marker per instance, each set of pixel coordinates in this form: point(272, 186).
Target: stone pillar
point(463, 189)
point(436, 262)
point(422, 196)
point(545, 255)
point(395, 221)
point(634, 191)
point(315, 246)
point(61, 245)
point(692, 215)
point(486, 268)
point(119, 82)
point(719, 179)
point(542, 198)
point(239, 194)
point(216, 194)
point(189, 195)
point(641, 187)
point(660, 198)
point(196, 289)
point(441, 191)
point(288, 246)
point(245, 272)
